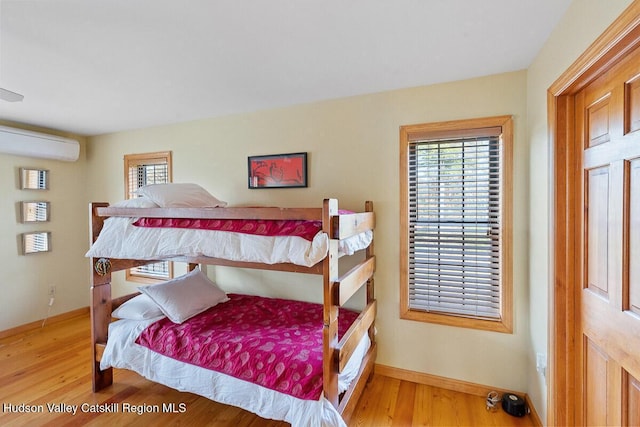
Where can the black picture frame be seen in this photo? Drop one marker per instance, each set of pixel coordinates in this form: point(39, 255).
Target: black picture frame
point(277, 171)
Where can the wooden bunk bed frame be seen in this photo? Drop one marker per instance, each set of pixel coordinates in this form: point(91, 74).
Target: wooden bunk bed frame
point(337, 290)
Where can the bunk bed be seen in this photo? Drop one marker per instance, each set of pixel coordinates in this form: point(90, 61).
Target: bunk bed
point(347, 355)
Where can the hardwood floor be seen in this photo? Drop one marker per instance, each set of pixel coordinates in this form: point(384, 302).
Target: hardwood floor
point(48, 370)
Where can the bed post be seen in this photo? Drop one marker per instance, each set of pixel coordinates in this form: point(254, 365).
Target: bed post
point(370, 251)
point(330, 330)
point(100, 303)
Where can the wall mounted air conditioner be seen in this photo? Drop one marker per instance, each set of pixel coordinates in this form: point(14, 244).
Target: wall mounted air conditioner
point(35, 144)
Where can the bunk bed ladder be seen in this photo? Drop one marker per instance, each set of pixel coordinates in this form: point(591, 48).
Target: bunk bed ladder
point(337, 290)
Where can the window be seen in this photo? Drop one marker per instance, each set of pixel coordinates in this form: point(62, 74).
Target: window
point(456, 202)
point(141, 170)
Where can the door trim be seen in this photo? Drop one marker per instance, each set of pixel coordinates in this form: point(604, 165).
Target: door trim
point(622, 36)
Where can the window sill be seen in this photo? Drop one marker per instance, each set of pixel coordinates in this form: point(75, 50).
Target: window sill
point(502, 325)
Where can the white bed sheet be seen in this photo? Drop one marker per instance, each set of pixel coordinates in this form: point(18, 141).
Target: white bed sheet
point(122, 352)
point(119, 238)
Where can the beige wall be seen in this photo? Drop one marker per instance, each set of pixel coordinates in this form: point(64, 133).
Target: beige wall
point(584, 21)
point(353, 155)
point(25, 280)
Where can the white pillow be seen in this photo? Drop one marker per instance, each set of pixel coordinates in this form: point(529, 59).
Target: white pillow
point(137, 202)
point(138, 308)
point(184, 297)
point(180, 196)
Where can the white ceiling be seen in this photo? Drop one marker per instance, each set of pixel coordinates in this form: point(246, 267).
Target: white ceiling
point(100, 66)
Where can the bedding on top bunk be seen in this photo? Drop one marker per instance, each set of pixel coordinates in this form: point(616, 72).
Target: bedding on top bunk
point(307, 229)
point(119, 238)
point(224, 351)
point(269, 242)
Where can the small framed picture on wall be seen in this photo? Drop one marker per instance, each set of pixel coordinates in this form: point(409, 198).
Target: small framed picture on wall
point(278, 171)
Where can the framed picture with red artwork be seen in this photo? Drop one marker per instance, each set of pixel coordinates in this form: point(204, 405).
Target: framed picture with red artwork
point(278, 171)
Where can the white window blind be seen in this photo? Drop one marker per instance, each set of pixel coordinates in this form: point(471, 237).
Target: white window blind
point(147, 173)
point(159, 270)
point(454, 226)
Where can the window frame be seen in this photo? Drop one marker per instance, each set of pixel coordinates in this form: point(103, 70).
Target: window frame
point(131, 160)
point(457, 129)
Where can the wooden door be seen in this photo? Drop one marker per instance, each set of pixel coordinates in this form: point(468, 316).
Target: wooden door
point(607, 121)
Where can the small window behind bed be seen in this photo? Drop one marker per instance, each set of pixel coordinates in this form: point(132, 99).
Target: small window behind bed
point(140, 170)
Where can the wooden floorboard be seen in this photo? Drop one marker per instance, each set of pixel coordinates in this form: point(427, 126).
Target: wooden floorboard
point(52, 365)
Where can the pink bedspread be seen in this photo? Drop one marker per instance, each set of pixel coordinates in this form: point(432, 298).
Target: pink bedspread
point(304, 229)
point(272, 342)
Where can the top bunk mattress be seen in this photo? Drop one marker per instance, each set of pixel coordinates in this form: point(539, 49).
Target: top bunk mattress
point(121, 239)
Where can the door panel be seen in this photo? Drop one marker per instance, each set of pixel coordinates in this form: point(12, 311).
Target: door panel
point(631, 399)
point(608, 122)
point(598, 121)
point(597, 230)
point(633, 283)
point(595, 373)
point(632, 93)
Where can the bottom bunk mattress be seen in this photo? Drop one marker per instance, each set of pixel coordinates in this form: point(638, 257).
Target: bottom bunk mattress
point(261, 354)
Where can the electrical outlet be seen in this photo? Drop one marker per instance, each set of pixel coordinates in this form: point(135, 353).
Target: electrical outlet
point(52, 294)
